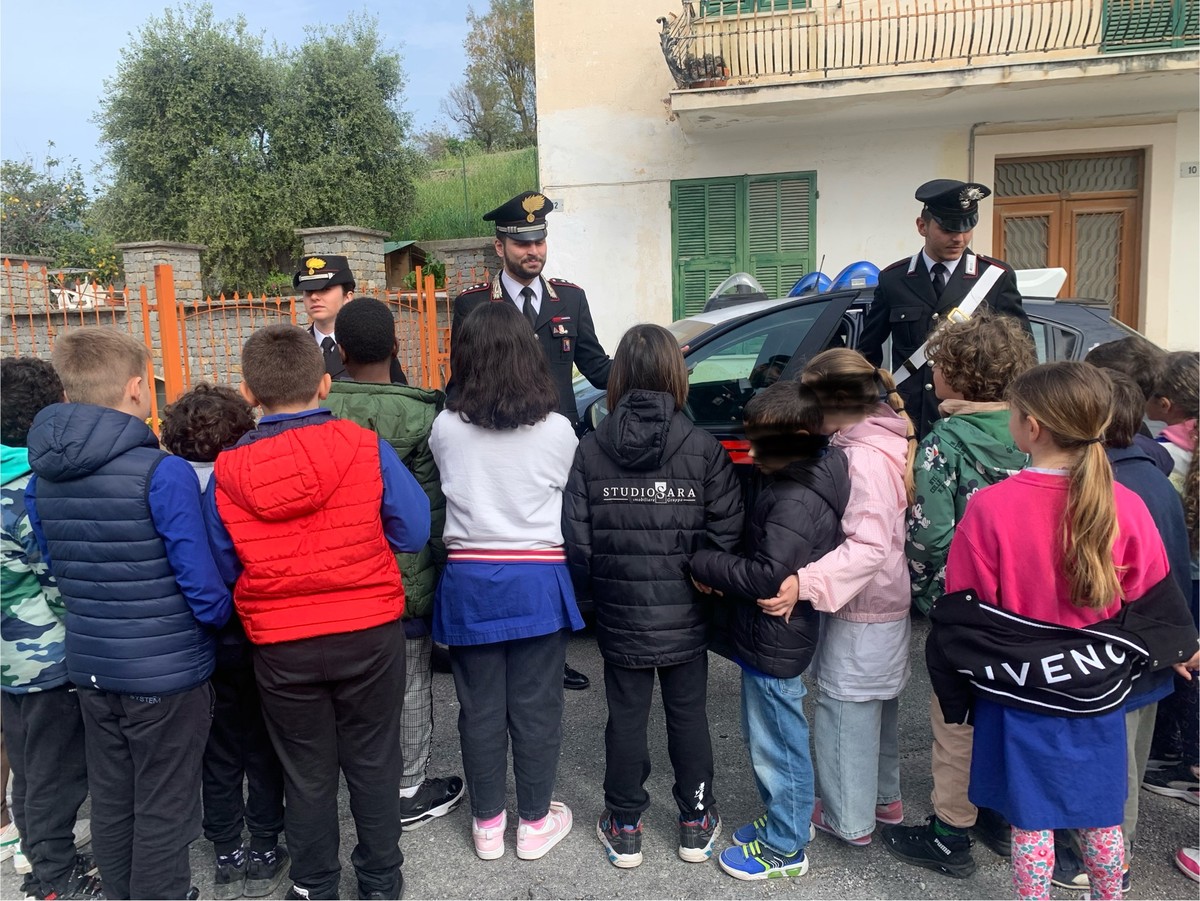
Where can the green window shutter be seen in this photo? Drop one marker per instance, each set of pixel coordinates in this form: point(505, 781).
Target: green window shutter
point(1130, 25)
point(705, 229)
point(733, 7)
point(761, 224)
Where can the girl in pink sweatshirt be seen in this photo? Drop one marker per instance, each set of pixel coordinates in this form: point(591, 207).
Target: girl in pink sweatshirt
point(1058, 542)
point(861, 588)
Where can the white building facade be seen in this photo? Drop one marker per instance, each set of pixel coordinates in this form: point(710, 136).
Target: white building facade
point(781, 136)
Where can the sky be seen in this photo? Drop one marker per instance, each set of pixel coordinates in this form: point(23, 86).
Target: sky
point(56, 54)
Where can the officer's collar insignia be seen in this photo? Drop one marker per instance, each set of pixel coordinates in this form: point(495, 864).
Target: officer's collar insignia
point(313, 264)
point(532, 204)
point(968, 197)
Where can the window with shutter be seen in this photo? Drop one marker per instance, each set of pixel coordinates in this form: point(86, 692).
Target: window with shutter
point(761, 224)
point(1149, 24)
point(743, 7)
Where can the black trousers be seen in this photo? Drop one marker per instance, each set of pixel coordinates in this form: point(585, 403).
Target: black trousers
point(510, 689)
point(239, 747)
point(335, 701)
point(43, 733)
point(143, 760)
point(626, 752)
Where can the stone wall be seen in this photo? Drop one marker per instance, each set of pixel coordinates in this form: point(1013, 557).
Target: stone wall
point(468, 260)
point(140, 258)
point(362, 247)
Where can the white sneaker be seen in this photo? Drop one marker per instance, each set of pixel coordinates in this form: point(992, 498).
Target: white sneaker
point(10, 840)
point(21, 863)
point(83, 832)
point(534, 843)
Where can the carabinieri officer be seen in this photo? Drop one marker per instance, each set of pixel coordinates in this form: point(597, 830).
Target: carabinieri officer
point(915, 294)
point(557, 311)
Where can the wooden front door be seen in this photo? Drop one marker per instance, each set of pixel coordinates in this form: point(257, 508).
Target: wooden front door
point(1082, 213)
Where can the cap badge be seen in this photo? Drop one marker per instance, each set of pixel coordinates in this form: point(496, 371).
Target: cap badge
point(969, 196)
point(313, 264)
point(532, 204)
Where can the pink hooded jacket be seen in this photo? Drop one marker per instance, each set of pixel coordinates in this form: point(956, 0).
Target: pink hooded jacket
point(865, 579)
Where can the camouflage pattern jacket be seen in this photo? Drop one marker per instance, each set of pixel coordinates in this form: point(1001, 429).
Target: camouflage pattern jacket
point(32, 633)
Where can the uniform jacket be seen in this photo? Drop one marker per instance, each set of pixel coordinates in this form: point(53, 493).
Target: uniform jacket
point(564, 329)
point(130, 628)
point(1018, 661)
point(969, 448)
point(796, 520)
point(906, 308)
point(647, 490)
point(403, 417)
point(302, 507)
point(32, 631)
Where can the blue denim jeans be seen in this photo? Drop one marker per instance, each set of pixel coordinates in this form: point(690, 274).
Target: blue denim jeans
point(858, 761)
point(777, 735)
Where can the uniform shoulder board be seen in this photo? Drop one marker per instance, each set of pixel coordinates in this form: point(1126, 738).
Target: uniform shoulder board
point(992, 261)
point(903, 262)
point(563, 281)
point(474, 287)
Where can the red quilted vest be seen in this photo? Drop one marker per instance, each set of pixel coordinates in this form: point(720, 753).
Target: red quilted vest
point(302, 508)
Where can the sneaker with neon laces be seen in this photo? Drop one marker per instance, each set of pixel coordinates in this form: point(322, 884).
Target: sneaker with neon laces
point(818, 820)
point(1188, 861)
point(758, 861)
point(535, 841)
point(1177, 781)
point(435, 798)
point(489, 840)
point(890, 814)
point(751, 832)
point(696, 837)
point(622, 842)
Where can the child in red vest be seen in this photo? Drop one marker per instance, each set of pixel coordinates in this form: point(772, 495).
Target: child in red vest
point(305, 514)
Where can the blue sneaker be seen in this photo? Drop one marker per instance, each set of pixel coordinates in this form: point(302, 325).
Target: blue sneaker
point(750, 832)
point(758, 861)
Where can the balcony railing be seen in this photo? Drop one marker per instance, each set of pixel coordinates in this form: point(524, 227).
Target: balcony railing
point(748, 41)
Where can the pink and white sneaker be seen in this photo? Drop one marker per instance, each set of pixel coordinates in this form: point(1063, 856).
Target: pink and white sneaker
point(890, 814)
point(1188, 861)
point(489, 841)
point(533, 843)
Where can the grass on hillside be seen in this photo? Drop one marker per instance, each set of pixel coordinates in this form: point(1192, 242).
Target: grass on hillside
point(442, 211)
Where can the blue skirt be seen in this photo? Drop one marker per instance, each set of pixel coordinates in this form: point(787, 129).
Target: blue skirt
point(481, 603)
point(1049, 772)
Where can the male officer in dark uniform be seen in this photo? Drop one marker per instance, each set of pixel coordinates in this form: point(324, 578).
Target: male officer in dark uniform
point(328, 285)
point(915, 294)
point(557, 311)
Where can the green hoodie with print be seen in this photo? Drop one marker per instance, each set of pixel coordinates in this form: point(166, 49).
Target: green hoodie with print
point(968, 449)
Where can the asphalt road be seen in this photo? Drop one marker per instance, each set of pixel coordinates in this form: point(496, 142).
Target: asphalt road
point(440, 861)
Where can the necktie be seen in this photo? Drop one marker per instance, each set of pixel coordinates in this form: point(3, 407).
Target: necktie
point(939, 279)
point(329, 348)
point(527, 307)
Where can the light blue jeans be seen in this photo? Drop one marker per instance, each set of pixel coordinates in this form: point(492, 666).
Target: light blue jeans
point(777, 735)
point(858, 761)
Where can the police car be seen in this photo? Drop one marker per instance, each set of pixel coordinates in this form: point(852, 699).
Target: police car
point(734, 350)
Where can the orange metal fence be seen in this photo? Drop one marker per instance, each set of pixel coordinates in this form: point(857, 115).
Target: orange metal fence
point(203, 341)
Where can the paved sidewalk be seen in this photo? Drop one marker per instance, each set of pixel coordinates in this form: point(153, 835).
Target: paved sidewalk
point(440, 862)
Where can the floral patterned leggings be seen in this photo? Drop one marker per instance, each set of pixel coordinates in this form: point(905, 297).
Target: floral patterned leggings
point(1033, 861)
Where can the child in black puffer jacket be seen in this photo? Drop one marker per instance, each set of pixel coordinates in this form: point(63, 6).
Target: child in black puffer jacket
point(647, 490)
point(796, 520)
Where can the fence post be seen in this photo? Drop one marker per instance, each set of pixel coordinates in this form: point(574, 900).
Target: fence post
point(168, 330)
point(431, 332)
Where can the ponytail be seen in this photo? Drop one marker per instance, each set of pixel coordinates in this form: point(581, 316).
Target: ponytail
point(892, 398)
point(1073, 403)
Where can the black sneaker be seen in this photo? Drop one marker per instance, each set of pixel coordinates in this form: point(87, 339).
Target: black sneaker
point(696, 837)
point(994, 831)
point(435, 798)
point(1176, 781)
point(923, 846)
point(395, 895)
point(623, 843)
point(82, 882)
point(1069, 872)
point(229, 877)
point(265, 870)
